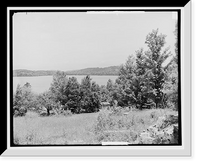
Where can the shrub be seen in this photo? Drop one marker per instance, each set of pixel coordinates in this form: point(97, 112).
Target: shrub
point(66, 113)
point(19, 111)
point(23, 100)
point(114, 127)
point(164, 131)
point(139, 127)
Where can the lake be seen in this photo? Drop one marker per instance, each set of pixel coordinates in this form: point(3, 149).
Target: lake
point(40, 84)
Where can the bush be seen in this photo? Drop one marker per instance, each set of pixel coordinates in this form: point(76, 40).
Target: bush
point(138, 127)
point(114, 127)
point(164, 131)
point(66, 113)
point(19, 111)
point(23, 100)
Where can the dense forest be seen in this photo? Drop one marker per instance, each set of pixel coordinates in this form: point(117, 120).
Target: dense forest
point(112, 70)
point(148, 79)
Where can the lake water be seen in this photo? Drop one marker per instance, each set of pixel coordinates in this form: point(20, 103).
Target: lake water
point(42, 83)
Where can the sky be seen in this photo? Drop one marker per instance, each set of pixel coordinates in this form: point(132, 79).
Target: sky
point(76, 40)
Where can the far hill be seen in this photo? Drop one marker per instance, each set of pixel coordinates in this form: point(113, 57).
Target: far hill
point(112, 70)
point(25, 72)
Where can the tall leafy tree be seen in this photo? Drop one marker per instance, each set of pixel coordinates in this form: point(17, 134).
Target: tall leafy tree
point(126, 82)
point(171, 83)
point(90, 100)
point(176, 43)
point(95, 87)
point(109, 90)
point(72, 95)
point(86, 84)
point(153, 75)
point(58, 86)
point(104, 94)
point(23, 99)
point(141, 93)
point(46, 100)
point(142, 77)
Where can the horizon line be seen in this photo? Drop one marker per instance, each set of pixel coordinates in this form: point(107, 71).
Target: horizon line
point(67, 70)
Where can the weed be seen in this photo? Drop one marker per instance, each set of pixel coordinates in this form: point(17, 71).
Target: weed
point(92, 128)
point(116, 126)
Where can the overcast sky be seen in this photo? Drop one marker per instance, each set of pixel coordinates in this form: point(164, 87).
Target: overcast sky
point(69, 41)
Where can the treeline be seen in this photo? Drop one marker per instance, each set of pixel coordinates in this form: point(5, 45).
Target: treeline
point(26, 73)
point(112, 70)
point(64, 94)
point(148, 79)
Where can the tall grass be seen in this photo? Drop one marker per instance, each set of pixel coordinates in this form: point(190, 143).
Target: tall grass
point(126, 126)
point(88, 128)
point(62, 130)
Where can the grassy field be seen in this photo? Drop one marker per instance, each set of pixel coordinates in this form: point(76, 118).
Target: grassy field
point(91, 128)
point(74, 129)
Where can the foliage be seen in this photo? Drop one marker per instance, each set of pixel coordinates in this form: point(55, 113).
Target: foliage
point(164, 131)
point(171, 86)
point(45, 103)
point(58, 87)
point(142, 79)
point(72, 95)
point(90, 101)
point(23, 99)
point(138, 127)
point(126, 83)
point(171, 83)
point(153, 76)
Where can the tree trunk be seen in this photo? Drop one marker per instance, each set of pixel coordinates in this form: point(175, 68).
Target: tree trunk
point(156, 104)
point(48, 111)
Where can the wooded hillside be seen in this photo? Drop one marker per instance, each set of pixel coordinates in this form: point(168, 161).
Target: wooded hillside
point(112, 70)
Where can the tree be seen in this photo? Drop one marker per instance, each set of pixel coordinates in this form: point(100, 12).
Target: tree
point(95, 87)
point(141, 79)
point(90, 101)
point(17, 101)
point(104, 94)
point(150, 73)
point(127, 71)
point(171, 83)
point(108, 91)
point(126, 83)
point(58, 86)
point(176, 43)
point(72, 95)
point(46, 100)
point(22, 99)
point(86, 84)
point(110, 85)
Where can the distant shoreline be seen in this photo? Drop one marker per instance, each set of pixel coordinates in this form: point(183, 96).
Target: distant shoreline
point(107, 71)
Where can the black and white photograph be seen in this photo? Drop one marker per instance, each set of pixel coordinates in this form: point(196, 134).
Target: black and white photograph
point(96, 77)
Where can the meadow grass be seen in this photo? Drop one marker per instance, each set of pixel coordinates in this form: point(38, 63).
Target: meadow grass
point(75, 129)
point(126, 126)
point(88, 128)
